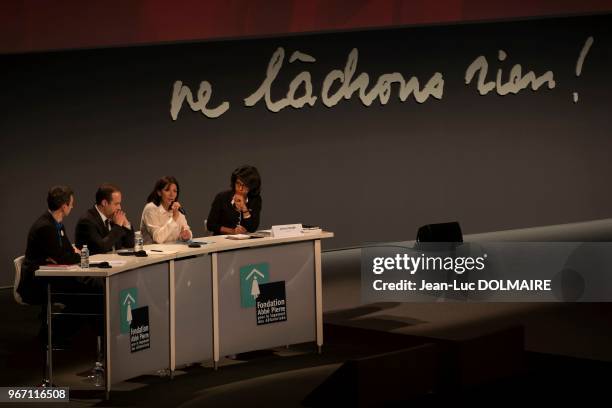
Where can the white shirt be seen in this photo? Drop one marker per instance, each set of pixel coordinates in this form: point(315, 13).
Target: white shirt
point(158, 226)
point(104, 217)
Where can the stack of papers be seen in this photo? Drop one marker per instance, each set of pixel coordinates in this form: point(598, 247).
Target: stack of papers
point(58, 267)
point(238, 236)
point(112, 262)
point(311, 230)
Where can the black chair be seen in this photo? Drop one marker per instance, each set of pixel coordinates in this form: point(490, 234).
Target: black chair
point(89, 305)
point(444, 232)
point(18, 262)
point(441, 240)
point(56, 306)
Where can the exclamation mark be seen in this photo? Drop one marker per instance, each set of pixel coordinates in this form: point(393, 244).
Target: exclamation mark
point(585, 50)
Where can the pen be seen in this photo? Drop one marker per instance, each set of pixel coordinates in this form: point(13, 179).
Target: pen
point(156, 250)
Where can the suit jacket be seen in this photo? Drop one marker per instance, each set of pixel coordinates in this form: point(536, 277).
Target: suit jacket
point(45, 241)
point(223, 214)
point(91, 231)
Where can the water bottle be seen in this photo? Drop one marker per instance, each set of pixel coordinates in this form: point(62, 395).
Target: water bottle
point(84, 257)
point(138, 241)
point(98, 374)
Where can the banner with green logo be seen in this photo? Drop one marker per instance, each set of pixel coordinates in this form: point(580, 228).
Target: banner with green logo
point(128, 301)
point(251, 276)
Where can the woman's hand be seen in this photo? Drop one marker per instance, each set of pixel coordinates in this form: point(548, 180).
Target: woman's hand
point(175, 210)
point(240, 203)
point(240, 230)
point(185, 234)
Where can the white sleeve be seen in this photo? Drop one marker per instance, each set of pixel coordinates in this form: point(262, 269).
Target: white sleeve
point(183, 223)
point(161, 230)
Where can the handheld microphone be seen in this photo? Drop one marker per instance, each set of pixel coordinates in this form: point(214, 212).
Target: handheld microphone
point(180, 208)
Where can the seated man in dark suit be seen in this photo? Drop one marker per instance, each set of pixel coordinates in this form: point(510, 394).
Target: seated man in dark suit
point(47, 244)
point(105, 226)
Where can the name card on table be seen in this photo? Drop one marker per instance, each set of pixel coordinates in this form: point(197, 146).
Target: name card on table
point(286, 231)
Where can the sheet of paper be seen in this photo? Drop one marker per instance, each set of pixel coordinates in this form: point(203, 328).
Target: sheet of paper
point(160, 249)
point(238, 236)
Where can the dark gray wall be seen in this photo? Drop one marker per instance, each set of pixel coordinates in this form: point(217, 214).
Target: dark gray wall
point(367, 173)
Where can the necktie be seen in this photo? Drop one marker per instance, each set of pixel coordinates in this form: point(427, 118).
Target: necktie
point(108, 226)
point(59, 227)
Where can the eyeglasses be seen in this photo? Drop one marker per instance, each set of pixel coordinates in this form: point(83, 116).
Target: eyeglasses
point(241, 185)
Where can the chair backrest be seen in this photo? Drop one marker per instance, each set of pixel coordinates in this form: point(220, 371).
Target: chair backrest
point(207, 233)
point(18, 262)
point(445, 232)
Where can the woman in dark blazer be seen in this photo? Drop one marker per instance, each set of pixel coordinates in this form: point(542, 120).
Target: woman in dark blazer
point(236, 211)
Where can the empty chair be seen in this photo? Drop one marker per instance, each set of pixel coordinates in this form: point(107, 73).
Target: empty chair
point(444, 232)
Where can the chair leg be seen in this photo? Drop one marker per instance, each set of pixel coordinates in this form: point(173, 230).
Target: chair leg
point(49, 360)
point(99, 355)
point(45, 368)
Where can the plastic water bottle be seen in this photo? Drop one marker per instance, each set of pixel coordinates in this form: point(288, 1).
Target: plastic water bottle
point(98, 374)
point(85, 257)
point(138, 243)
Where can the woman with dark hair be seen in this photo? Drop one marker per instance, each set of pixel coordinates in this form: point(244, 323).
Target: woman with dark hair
point(236, 211)
point(162, 218)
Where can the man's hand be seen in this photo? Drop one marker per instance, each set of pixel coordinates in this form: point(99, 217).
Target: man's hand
point(120, 218)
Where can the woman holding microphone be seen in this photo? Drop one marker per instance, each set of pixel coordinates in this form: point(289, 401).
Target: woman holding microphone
point(163, 219)
point(236, 211)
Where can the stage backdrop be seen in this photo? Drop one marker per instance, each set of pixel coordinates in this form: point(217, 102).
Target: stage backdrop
point(368, 134)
